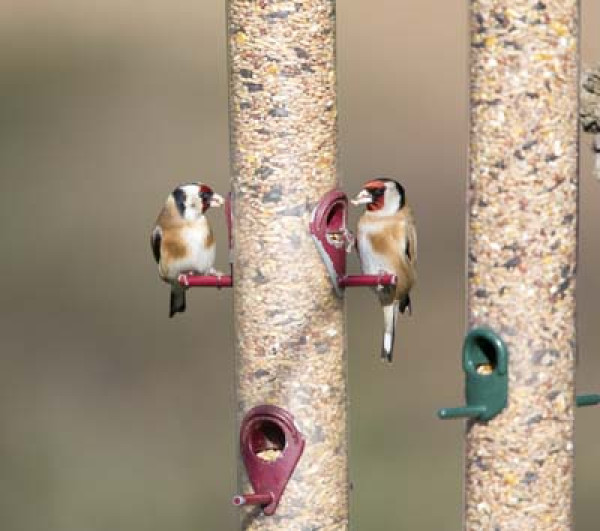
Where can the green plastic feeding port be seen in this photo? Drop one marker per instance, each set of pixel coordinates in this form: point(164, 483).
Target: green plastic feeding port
point(587, 400)
point(485, 363)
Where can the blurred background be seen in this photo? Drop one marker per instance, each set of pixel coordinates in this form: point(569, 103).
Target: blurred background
point(115, 418)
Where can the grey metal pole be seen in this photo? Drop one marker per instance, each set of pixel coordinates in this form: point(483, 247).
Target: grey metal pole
point(522, 229)
point(289, 324)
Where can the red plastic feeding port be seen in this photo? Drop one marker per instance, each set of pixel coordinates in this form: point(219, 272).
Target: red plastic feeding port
point(330, 233)
point(271, 447)
point(222, 281)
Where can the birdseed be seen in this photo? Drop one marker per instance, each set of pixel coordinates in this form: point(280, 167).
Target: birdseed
point(289, 323)
point(522, 198)
point(485, 369)
point(270, 455)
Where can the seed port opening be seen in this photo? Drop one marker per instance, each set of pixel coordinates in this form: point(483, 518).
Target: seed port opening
point(335, 218)
point(486, 356)
point(335, 234)
point(267, 441)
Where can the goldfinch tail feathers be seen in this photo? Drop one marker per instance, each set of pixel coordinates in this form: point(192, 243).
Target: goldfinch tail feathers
point(177, 303)
point(390, 317)
point(406, 304)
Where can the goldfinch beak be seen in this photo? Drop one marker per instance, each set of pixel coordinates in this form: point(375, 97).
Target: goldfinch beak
point(216, 200)
point(363, 198)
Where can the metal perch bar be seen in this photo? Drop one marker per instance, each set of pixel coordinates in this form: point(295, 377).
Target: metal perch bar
point(352, 281)
point(252, 499)
point(203, 281)
point(226, 281)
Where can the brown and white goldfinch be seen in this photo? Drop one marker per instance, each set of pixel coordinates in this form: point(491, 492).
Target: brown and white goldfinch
point(387, 243)
point(182, 240)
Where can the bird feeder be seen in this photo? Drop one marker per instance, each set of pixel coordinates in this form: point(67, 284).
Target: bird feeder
point(289, 323)
point(270, 445)
point(522, 257)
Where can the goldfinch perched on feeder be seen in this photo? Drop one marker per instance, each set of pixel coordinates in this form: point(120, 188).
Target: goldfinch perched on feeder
point(182, 240)
point(387, 243)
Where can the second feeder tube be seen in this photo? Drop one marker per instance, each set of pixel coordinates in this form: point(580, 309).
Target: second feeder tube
point(522, 198)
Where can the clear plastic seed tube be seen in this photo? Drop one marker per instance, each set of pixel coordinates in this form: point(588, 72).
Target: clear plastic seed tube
point(522, 228)
point(289, 324)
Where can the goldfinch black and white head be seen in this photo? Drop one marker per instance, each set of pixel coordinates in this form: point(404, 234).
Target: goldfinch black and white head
point(182, 240)
point(381, 196)
point(193, 200)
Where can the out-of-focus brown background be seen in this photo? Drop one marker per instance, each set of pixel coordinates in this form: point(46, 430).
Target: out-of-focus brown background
point(115, 418)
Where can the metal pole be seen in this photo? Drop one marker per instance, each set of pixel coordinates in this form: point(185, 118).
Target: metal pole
point(289, 324)
point(522, 229)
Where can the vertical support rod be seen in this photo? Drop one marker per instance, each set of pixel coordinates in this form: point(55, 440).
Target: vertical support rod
point(522, 228)
point(289, 324)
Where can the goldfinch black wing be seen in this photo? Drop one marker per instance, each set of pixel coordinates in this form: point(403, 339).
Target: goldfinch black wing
point(155, 241)
point(411, 242)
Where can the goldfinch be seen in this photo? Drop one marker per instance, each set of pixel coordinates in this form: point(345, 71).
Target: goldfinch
point(387, 243)
point(182, 240)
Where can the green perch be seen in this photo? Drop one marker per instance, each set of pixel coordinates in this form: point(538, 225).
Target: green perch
point(459, 412)
point(587, 400)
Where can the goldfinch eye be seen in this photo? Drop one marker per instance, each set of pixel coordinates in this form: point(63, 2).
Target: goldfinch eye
point(205, 196)
point(378, 192)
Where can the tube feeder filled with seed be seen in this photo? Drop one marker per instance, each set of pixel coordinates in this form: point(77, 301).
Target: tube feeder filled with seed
point(289, 323)
point(522, 257)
